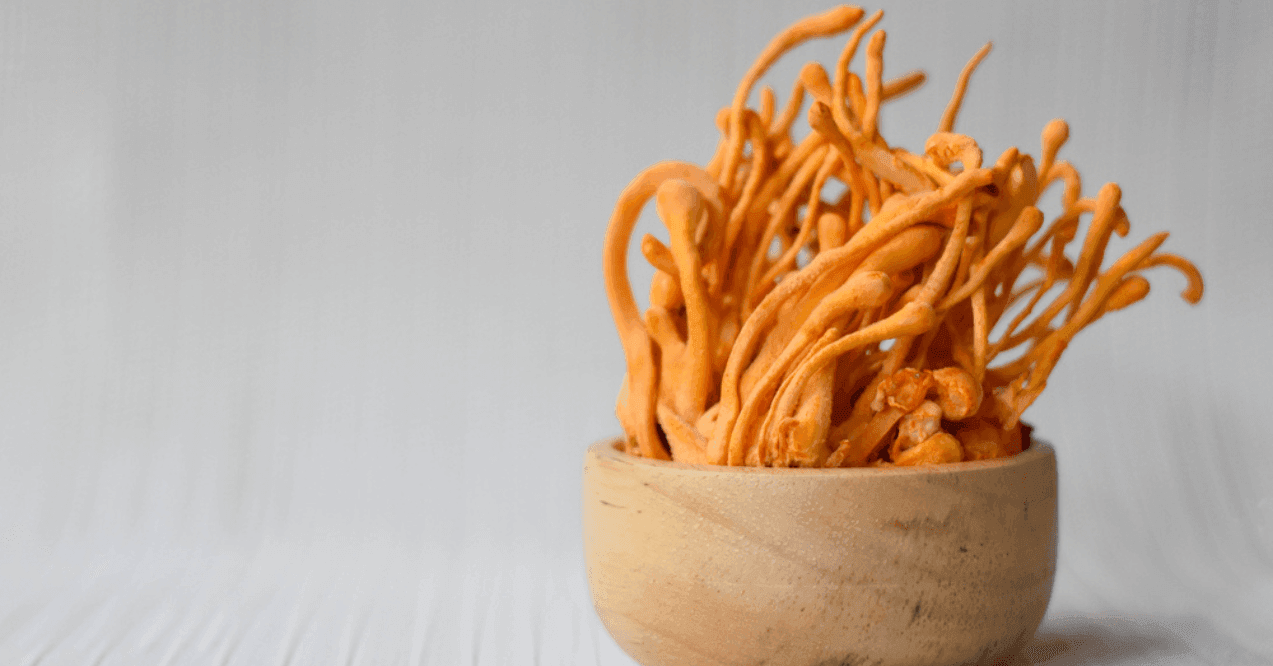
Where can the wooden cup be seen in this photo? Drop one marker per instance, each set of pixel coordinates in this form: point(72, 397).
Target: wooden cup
point(697, 565)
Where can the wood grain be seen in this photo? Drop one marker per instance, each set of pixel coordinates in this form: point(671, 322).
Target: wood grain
point(729, 566)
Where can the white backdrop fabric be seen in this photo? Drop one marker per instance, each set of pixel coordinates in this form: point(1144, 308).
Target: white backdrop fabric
point(303, 334)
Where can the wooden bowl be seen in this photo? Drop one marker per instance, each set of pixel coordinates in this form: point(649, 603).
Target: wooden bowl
point(701, 565)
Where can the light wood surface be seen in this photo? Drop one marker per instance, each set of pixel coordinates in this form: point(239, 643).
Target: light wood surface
point(710, 565)
point(270, 606)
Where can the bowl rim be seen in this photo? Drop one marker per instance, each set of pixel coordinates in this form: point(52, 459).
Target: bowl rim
point(609, 449)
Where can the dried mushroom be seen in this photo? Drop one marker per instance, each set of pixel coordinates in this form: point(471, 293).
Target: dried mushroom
point(910, 320)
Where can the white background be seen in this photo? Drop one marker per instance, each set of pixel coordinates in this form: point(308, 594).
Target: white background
point(303, 334)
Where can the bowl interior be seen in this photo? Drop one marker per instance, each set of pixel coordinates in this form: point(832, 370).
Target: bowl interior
point(1033, 450)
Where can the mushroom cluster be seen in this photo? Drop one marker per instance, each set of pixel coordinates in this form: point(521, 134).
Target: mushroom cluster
point(910, 319)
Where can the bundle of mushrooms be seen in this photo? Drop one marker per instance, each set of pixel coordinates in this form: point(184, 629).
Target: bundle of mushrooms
point(787, 327)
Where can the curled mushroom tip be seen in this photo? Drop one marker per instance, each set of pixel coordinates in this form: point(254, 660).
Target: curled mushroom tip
point(677, 196)
point(841, 17)
point(1055, 134)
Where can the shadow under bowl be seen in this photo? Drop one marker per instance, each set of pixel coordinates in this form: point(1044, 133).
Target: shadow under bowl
point(706, 565)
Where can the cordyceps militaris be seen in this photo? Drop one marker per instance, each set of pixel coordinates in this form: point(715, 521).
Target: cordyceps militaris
point(785, 329)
